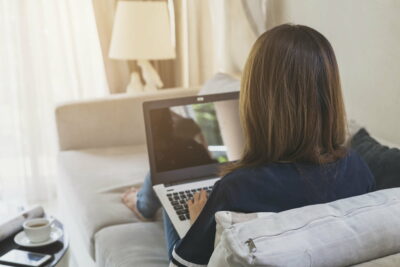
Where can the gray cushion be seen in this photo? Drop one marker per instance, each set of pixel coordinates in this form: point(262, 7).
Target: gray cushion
point(384, 162)
point(92, 182)
point(135, 244)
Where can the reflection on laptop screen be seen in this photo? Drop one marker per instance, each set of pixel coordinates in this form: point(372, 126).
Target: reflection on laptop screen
point(193, 135)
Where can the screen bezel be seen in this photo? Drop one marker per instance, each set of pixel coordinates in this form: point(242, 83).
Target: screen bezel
point(175, 176)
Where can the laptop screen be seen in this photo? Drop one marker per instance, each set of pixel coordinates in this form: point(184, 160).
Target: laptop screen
point(200, 132)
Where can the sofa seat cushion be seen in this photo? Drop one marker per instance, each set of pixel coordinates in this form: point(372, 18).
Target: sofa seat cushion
point(135, 244)
point(92, 182)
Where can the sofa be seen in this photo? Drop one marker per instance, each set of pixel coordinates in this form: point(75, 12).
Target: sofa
point(102, 152)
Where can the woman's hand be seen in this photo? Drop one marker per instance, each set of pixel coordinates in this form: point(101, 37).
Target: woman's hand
point(196, 204)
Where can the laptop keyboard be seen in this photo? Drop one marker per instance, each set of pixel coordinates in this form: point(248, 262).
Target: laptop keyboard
point(179, 199)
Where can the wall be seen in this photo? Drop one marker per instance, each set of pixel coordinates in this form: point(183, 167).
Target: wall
point(365, 35)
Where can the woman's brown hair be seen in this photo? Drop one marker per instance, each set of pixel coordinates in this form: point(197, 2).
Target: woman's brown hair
point(291, 104)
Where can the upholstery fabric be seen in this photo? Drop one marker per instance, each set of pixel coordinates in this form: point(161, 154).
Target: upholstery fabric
point(227, 219)
point(92, 182)
point(388, 261)
point(384, 162)
point(107, 122)
point(304, 236)
point(135, 244)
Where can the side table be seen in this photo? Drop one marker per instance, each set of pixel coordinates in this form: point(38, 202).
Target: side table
point(58, 249)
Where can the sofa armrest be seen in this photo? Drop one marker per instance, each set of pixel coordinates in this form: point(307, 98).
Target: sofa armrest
point(115, 120)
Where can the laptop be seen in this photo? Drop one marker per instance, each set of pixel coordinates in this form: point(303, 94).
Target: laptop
point(188, 140)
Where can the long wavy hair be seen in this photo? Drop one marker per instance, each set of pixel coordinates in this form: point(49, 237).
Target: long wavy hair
point(291, 104)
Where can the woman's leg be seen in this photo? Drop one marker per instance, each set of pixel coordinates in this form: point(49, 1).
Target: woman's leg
point(143, 202)
point(171, 236)
point(147, 202)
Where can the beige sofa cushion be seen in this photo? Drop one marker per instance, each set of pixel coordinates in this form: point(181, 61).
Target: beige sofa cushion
point(135, 244)
point(116, 120)
point(389, 261)
point(92, 182)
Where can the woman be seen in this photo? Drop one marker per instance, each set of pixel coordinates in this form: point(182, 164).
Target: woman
point(293, 118)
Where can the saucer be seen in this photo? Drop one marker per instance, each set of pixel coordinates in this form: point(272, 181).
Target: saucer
point(22, 240)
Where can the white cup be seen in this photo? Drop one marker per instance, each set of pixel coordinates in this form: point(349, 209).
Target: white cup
point(37, 230)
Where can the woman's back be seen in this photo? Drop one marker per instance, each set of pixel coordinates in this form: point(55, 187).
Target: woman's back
point(274, 187)
point(277, 187)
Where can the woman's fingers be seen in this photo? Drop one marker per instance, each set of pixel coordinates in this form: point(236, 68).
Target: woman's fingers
point(192, 200)
point(199, 196)
point(196, 197)
point(203, 195)
point(196, 204)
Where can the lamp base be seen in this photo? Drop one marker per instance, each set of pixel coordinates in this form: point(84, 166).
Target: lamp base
point(150, 76)
point(135, 85)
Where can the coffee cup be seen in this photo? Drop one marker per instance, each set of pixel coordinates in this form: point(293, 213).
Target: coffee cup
point(37, 230)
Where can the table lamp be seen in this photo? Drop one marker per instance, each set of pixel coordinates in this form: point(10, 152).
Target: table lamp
point(142, 32)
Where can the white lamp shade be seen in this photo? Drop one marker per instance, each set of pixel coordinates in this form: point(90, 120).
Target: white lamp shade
point(142, 31)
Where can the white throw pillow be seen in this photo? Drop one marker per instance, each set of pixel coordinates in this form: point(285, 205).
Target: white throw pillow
point(340, 233)
point(225, 219)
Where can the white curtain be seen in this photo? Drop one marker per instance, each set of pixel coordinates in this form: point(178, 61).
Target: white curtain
point(236, 25)
point(49, 53)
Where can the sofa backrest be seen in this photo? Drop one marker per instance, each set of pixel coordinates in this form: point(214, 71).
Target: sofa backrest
point(116, 120)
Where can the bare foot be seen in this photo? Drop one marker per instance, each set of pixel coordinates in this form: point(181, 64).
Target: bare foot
point(129, 199)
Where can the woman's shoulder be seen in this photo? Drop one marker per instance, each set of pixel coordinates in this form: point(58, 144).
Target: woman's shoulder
point(241, 180)
point(355, 160)
point(357, 165)
point(244, 172)
point(237, 174)
point(283, 171)
point(267, 172)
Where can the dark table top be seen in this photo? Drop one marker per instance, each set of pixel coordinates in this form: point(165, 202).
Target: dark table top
point(57, 249)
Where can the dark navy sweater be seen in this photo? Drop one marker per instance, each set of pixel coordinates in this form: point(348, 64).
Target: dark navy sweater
point(272, 188)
